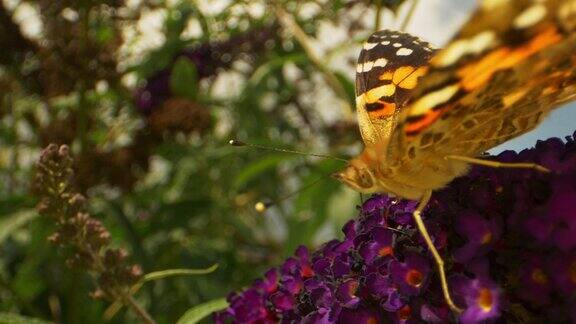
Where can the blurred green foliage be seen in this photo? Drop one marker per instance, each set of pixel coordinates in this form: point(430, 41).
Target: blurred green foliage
point(147, 94)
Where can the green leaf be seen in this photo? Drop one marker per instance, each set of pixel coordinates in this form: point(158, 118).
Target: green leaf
point(104, 34)
point(198, 312)
point(177, 19)
point(11, 318)
point(178, 272)
point(28, 282)
point(256, 168)
point(158, 59)
point(115, 307)
point(184, 79)
point(12, 222)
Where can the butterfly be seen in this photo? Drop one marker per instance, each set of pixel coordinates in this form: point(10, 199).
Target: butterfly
point(425, 115)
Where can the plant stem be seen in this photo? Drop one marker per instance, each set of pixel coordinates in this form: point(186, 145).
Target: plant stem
point(13, 164)
point(290, 24)
point(409, 15)
point(120, 295)
point(377, 20)
point(138, 310)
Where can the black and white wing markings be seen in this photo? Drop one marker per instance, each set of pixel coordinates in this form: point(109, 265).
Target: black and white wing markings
point(389, 66)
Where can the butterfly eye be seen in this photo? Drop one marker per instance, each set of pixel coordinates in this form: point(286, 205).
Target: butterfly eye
point(365, 178)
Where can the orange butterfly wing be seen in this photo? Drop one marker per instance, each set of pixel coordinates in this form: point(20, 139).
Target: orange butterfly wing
point(512, 63)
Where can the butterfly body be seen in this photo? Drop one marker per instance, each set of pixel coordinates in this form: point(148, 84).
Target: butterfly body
point(410, 179)
point(424, 115)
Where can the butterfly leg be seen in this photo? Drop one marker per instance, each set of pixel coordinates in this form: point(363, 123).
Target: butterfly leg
point(496, 164)
point(437, 258)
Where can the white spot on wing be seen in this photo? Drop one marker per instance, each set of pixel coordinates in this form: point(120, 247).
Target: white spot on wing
point(404, 51)
point(452, 53)
point(359, 68)
point(367, 66)
point(432, 99)
point(384, 90)
point(397, 45)
point(481, 41)
point(381, 62)
point(369, 46)
point(385, 43)
point(473, 45)
point(530, 16)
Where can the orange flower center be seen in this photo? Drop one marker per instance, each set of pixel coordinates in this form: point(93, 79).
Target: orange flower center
point(539, 277)
point(387, 250)
point(372, 320)
point(487, 238)
point(572, 272)
point(405, 313)
point(414, 278)
point(485, 299)
point(307, 271)
point(352, 288)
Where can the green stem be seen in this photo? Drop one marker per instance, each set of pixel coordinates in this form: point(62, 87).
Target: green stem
point(82, 118)
point(15, 150)
point(138, 310)
point(82, 88)
point(204, 24)
point(290, 24)
point(378, 18)
point(409, 15)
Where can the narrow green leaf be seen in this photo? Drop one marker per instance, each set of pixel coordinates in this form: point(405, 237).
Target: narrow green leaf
point(184, 79)
point(116, 306)
point(178, 272)
point(198, 312)
point(11, 318)
point(12, 222)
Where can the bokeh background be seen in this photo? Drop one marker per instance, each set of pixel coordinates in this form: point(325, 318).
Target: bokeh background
point(147, 94)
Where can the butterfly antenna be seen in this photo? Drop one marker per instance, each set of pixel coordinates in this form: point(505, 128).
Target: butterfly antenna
point(263, 206)
point(234, 142)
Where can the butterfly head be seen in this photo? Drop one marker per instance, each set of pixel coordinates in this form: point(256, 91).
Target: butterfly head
point(359, 175)
point(359, 179)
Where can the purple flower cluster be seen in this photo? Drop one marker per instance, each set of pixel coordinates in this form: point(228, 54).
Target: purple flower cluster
point(508, 237)
point(209, 58)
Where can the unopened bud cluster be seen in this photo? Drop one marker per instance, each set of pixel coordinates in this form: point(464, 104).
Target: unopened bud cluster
point(83, 239)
